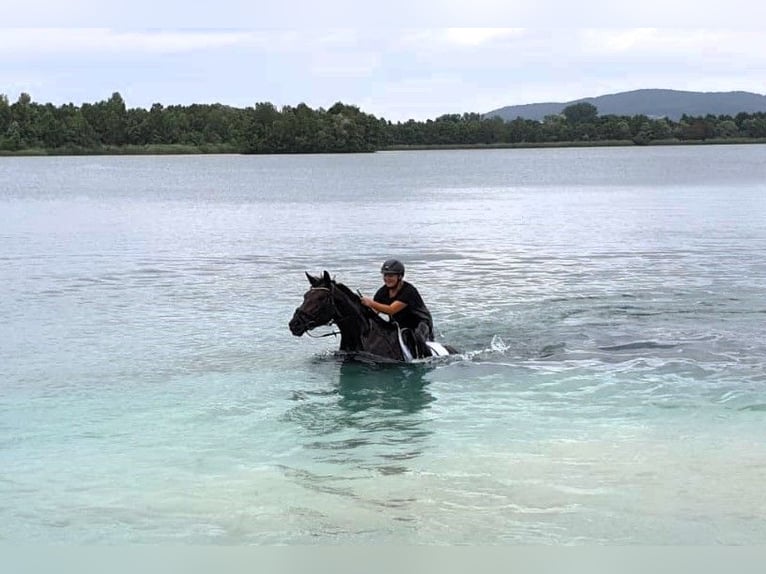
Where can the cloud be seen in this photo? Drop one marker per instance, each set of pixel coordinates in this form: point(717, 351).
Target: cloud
point(310, 15)
point(664, 43)
point(59, 41)
point(349, 66)
point(478, 36)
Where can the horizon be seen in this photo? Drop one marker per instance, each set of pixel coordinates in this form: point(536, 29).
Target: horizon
point(279, 107)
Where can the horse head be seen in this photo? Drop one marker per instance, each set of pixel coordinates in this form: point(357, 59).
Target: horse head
point(318, 307)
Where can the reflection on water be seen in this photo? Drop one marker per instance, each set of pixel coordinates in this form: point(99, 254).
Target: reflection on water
point(363, 386)
point(372, 419)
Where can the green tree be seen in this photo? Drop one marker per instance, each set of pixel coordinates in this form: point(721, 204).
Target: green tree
point(755, 127)
point(554, 128)
point(116, 120)
point(613, 127)
point(5, 113)
point(260, 127)
point(343, 128)
point(23, 116)
point(661, 129)
point(109, 119)
point(136, 126)
point(644, 134)
point(12, 141)
point(582, 113)
point(727, 129)
point(79, 132)
point(49, 129)
point(695, 129)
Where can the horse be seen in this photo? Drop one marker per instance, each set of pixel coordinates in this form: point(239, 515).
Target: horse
point(362, 331)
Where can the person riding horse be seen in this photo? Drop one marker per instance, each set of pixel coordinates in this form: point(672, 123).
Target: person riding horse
point(364, 334)
point(402, 302)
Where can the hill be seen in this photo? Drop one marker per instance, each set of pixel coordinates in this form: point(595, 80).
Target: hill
point(653, 103)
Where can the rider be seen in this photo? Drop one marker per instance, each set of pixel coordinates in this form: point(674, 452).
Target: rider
point(401, 301)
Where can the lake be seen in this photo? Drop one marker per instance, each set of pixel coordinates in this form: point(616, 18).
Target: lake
point(609, 305)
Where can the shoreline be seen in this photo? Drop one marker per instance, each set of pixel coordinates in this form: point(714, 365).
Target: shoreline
point(183, 149)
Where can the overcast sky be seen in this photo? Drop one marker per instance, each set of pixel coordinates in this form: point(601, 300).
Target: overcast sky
point(420, 71)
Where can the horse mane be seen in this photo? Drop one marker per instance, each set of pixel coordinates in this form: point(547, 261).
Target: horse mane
point(366, 311)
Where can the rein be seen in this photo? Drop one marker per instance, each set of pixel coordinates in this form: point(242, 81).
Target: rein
point(330, 334)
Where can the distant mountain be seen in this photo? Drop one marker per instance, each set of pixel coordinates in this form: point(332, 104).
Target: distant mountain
point(653, 103)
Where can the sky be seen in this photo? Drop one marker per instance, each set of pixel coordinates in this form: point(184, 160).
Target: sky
point(405, 63)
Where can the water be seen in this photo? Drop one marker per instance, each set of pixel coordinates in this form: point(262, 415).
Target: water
point(609, 303)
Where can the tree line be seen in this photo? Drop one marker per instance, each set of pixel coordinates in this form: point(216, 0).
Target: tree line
point(110, 127)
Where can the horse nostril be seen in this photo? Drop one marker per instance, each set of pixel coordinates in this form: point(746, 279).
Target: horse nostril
point(295, 326)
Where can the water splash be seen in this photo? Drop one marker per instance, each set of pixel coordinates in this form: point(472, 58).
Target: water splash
point(498, 345)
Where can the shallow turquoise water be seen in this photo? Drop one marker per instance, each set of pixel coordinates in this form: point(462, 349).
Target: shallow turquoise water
point(609, 305)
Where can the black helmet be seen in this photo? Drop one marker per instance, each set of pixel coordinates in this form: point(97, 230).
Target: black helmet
point(393, 266)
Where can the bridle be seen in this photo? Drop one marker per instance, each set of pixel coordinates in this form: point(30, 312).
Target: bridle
point(308, 322)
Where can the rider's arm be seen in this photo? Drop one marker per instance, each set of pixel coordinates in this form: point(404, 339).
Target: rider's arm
point(389, 310)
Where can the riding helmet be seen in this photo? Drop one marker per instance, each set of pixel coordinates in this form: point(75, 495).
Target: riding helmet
point(393, 266)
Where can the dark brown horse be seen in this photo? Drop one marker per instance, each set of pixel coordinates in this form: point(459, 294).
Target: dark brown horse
point(362, 330)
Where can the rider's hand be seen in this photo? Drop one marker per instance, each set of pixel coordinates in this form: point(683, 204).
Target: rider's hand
point(367, 301)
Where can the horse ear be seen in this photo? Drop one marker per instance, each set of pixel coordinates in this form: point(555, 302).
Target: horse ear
point(326, 278)
point(313, 280)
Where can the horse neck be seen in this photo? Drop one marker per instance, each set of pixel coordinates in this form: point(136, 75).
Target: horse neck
point(348, 315)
